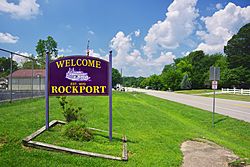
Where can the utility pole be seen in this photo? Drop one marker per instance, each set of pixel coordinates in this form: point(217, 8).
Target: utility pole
point(88, 48)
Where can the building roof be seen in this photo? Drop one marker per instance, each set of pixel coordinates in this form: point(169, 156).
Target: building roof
point(25, 73)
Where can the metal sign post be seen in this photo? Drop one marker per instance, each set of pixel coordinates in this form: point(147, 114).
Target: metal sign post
point(213, 100)
point(11, 71)
point(214, 76)
point(110, 95)
point(47, 92)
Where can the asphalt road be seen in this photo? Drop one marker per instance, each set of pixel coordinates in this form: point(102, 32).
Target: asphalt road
point(235, 109)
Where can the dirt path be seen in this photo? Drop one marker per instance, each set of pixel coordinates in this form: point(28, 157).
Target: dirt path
point(205, 154)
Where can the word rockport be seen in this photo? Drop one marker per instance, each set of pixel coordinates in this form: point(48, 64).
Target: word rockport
point(78, 89)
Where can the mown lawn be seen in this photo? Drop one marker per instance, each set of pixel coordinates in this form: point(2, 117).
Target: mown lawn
point(202, 92)
point(154, 127)
point(194, 91)
point(231, 97)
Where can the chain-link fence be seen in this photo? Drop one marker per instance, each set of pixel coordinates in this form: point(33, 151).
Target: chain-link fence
point(19, 77)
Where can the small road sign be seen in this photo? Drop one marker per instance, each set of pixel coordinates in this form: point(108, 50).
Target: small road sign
point(214, 73)
point(214, 84)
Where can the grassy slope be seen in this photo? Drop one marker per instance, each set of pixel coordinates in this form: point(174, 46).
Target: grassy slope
point(231, 97)
point(155, 129)
point(195, 91)
point(202, 92)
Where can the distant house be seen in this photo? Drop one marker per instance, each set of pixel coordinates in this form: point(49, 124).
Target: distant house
point(22, 79)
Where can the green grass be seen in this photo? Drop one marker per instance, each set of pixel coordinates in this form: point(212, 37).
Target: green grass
point(194, 91)
point(154, 127)
point(99, 144)
point(202, 92)
point(231, 97)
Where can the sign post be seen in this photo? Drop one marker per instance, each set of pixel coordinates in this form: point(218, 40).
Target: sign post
point(214, 76)
point(47, 91)
point(110, 95)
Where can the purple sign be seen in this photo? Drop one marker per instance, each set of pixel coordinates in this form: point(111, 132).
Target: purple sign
point(78, 75)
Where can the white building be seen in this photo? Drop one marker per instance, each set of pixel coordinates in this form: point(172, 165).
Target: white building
point(22, 79)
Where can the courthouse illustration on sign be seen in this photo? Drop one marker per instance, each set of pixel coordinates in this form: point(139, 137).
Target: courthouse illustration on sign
point(77, 75)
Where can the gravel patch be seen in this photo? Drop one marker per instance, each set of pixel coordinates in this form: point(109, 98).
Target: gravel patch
point(205, 154)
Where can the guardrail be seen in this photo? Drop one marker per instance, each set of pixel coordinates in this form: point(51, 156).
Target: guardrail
point(236, 91)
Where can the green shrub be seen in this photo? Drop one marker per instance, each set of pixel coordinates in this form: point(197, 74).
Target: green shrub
point(239, 163)
point(70, 112)
point(77, 130)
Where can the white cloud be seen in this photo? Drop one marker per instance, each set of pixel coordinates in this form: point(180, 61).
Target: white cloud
point(131, 60)
point(166, 58)
point(8, 38)
point(221, 26)
point(63, 50)
point(121, 43)
point(137, 33)
point(185, 53)
point(177, 26)
point(19, 59)
point(218, 6)
point(95, 54)
point(91, 32)
point(26, 9)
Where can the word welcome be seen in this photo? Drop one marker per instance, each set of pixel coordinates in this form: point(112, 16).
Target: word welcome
point(78, 62)
point(78, 89)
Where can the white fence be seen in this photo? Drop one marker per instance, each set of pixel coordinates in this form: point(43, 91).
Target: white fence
point(236, 91)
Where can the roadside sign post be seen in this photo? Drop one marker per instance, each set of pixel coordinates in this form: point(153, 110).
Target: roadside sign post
point(47, 91)
point(11, 71)
point(214, 76)
point(110, 95)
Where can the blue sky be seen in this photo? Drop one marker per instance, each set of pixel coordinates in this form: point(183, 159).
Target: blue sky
point(144, 35)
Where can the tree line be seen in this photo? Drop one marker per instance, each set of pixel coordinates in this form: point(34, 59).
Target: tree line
point(192, 71)
point(189, 72)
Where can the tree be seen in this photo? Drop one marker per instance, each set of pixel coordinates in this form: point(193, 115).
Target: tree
point(43, 46)
point(167, 67)
point(238, 48)
point(152, 82)
point(144, 83)
point(237, 77)
point(186, 83)
point(224, 71)
point(199, 68)
point(28, 65)
point(132, 81)
point(5, 66)
point(200, 64)
point(184, 66)
point(155, 82)
point(171, 78)
point(116, 77)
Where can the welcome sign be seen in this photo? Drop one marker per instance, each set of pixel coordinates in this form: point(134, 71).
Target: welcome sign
point(78, 75)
